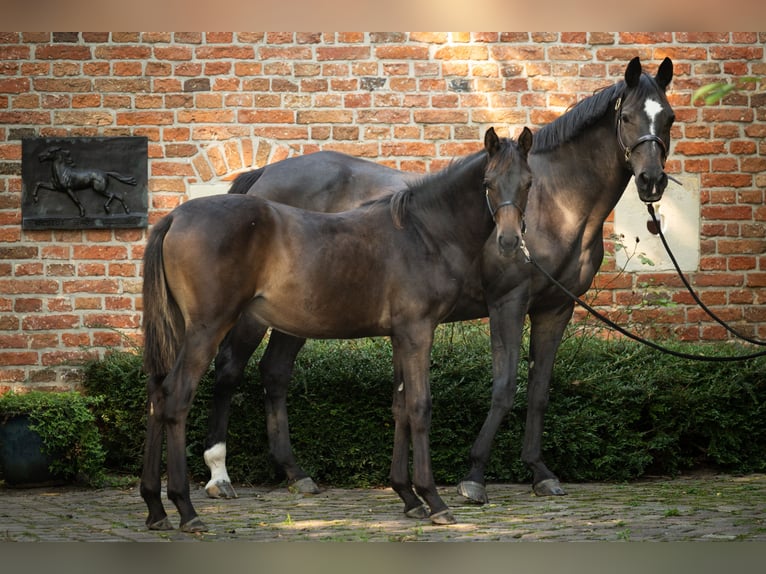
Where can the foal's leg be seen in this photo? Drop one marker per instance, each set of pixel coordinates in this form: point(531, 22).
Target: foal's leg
point(179, 387)
point(545, 337)
point(412, 352)
point(400, 474)
point(506, 319)
point(230, 362)
point(151, 484)
point(276, 368)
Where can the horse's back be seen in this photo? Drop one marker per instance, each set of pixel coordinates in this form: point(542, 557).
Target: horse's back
point(325, 181)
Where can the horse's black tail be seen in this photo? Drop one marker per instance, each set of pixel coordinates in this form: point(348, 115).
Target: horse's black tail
point(244, 181)
point(129, 179)
point(163, 323)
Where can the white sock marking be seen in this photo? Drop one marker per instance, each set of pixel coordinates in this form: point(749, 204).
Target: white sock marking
point(215, 459)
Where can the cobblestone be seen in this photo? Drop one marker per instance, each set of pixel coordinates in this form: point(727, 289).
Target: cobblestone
point(709, 507)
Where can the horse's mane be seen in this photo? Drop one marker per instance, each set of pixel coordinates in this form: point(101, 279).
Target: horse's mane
point(577, 118)
point(427, 189)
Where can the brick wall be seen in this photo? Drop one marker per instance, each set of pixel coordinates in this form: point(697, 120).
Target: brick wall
point(212, 104)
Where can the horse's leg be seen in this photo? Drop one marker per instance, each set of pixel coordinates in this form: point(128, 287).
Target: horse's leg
point(40, 185)
point(547, 330)
point(151, 485)
point(230, 362)
point(506, 318)
point(400, 474)
point(74, 198)
point(276, 369)
point(179, 387)
point(412, 352)
point(122, 202)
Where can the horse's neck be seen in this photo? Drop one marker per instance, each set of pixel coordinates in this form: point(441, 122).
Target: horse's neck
point(577, 186)
point(59, 169)
point(455, 216)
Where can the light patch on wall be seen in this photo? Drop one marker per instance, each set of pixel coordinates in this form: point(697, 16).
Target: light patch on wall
point(679, 214)
point(205, 189)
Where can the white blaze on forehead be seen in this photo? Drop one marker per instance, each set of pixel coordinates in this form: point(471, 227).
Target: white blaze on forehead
point(652, 108)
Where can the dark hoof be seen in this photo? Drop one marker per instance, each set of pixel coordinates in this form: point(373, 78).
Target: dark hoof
point(417, 512)
point(163, 524)
point(220, 489)
point(304, 486)
point(549, 487)
point(473, 492)
point(443, 518)
point(194, 525)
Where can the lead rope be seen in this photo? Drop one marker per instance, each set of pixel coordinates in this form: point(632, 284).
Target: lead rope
point(625, 332)
point(704, 307)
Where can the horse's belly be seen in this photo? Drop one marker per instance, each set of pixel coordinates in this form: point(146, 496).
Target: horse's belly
point(320, 320)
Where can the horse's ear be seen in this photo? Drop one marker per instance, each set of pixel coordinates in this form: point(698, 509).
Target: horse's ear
point(491, 142)
point(633, 72)
point(525, 141)
point(664, 73)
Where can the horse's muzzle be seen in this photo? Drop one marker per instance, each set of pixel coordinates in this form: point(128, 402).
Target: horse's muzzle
point(651, 187)
point(507, 243)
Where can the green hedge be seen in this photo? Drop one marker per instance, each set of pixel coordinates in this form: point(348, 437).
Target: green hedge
point(617, 411)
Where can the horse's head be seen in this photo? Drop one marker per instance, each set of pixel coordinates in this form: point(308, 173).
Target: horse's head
point(643, 118)
point(50, 154)
point(507, 180)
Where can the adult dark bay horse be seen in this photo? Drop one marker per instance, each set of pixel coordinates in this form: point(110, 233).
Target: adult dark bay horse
point(395, 267)
point(581, 163)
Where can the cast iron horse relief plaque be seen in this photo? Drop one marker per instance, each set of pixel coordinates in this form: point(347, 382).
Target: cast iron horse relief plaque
point(84, 183)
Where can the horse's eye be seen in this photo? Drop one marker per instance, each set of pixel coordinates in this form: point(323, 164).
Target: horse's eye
point(625, 118)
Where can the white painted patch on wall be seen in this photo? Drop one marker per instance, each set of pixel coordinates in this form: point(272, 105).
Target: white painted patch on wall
point(205, 189)
point(679, 214)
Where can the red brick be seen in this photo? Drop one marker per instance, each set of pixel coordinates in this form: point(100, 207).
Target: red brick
point(726, 180)
point(109, 252)
point(16, 358)
point(154, 118)
point(123, 52)
point(116, 321)
point(225, 52)
point(67, 357)
point(49, 322)
point(91, 286)
point(342, 53)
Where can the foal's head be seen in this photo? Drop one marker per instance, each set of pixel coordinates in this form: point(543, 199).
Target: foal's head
point(507, 180)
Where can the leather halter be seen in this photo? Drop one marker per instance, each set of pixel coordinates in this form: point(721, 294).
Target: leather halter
point(642, 139)
point(499, 206)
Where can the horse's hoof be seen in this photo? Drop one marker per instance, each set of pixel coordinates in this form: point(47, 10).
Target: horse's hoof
point(163, 524)
point(443, 518)
point(194, 525)
point(220, 489)
point(474, 492)
point(304, 486)
point(417, 512)
point(549, 487)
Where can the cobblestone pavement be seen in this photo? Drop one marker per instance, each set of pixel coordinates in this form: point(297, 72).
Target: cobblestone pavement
point(698, 507)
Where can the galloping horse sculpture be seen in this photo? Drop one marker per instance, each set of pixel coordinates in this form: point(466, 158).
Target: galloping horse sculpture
point(67, 178)
point(395, 267)
point(582, 163)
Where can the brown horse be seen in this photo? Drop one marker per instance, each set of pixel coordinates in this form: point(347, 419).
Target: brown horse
point(581, 164)
point(395, 267)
